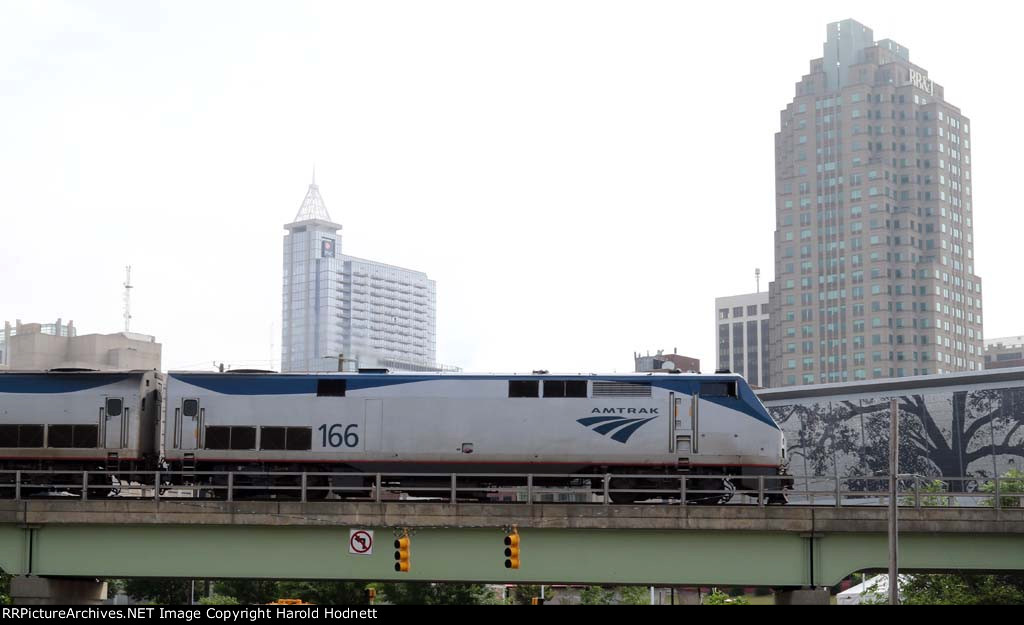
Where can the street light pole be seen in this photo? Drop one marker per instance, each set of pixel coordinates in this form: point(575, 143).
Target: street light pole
point(894, 465)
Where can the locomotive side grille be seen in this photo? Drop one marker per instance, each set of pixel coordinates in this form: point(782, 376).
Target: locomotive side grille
point(621, 389)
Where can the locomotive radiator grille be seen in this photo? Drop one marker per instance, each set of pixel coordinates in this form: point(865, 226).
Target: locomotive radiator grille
point(621, 389)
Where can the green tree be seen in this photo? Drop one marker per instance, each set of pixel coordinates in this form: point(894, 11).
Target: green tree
point(595, 595)
point(437, 594)
point(5, 588)
point(161, 591)
point(717, 597)
point(523, 595)
point(963, 589)
point(634, 595)
point(1011, 486)
point(248, 591)
point(325, 593)
point(219, 600)
point(927, 494)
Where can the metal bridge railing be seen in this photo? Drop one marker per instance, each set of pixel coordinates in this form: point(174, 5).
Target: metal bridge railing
point(914, 491)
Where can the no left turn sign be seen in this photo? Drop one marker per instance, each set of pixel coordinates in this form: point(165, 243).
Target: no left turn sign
point(360, 542)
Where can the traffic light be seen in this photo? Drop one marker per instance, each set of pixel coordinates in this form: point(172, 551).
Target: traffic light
point(402, 554)
point(512, 549)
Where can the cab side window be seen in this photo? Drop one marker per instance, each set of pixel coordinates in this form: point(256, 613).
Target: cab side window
point(565, 388)
point(718, 389)
point(523, 388)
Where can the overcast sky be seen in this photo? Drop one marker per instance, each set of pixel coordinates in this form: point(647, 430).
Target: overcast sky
point(581, 179)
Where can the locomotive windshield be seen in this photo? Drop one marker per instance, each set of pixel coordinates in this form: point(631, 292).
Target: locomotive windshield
point(718, 389)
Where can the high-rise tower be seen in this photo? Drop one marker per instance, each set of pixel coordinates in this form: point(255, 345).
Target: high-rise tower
point(309, 330)
point(874, 246)
point(333, 306)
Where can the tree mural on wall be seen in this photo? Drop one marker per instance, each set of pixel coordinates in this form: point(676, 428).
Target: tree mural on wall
point(873, 455)
point(997, 431)
point(816, 435)
point(953, 433)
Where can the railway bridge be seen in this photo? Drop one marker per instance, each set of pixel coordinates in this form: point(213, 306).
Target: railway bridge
point(730, 545)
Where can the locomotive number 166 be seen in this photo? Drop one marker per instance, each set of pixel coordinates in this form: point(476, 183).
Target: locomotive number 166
point(339, 435)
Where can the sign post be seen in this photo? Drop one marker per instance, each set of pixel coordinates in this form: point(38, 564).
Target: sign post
point(894, 467)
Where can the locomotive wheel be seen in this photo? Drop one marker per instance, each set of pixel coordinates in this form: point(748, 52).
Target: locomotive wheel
point(363, 484)
point(100, 486)
point(626, 498)
point(315, 482)
point(709, 484)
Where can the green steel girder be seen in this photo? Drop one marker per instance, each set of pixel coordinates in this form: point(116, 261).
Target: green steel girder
point(596, 556)
point(838, 555)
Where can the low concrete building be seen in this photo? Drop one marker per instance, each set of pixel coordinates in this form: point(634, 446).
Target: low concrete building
point(661, 361)
point(1004, 352)
point(35, 346)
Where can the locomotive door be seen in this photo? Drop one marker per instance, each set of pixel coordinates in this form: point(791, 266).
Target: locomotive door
point(683, 409)
point(374, 411)
point(114, 417)
point(188, 424)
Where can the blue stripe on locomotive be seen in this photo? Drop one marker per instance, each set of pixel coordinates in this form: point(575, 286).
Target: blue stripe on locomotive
point(47, 383)
point(303, 384)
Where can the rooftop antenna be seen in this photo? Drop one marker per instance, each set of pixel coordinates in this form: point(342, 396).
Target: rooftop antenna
point(757, 277)
point(127, 298)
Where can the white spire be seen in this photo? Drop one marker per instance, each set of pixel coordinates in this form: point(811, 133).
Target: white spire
point(313, 206)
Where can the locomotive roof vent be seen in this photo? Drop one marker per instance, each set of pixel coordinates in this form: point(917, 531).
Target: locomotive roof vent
point(70, 370)
point(249, 371)
point(540, 372)
point(363, 370)
point(723, 370)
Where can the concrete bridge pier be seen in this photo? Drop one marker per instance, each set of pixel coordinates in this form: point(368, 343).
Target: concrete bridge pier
point(803, 596)
point(32, 590)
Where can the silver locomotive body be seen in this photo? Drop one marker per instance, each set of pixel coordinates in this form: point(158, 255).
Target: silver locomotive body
point(79, 421)
point(658, 425)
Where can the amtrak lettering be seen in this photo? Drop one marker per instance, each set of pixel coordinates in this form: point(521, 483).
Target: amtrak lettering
point(624, 411)
point(620, 428)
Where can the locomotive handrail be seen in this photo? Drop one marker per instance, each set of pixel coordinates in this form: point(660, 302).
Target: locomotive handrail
point(914, 491)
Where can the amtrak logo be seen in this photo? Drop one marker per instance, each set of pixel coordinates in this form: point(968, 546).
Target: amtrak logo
point(620, 428)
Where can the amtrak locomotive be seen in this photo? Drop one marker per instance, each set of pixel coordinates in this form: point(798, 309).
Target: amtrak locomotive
point(406, 425)
point(77, 421)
